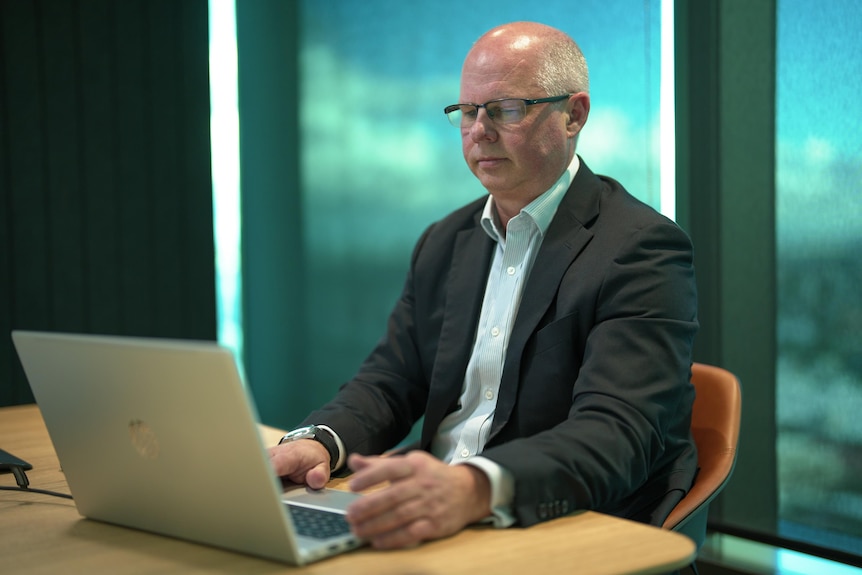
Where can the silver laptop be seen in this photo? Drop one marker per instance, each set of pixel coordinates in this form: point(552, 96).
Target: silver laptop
point(161, 435)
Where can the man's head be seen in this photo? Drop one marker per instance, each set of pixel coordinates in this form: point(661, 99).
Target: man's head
point(518, 161)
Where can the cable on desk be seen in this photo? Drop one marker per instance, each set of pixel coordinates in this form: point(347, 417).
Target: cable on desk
point(24, 484)
point(30, 490)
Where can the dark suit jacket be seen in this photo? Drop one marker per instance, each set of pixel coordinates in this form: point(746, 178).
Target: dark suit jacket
point(595, 401)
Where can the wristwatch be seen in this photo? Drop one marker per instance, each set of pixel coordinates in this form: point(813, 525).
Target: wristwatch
point(318, 434)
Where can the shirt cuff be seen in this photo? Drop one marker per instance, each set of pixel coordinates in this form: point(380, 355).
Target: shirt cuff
point(502, 490)
point(341, 450)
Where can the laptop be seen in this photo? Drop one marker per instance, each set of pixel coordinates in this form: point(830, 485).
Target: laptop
point(161, 435)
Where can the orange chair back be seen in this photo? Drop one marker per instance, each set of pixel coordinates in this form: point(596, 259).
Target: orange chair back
point(715, 424)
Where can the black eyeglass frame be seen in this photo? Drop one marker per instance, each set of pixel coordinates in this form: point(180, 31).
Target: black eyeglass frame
point(527, 102)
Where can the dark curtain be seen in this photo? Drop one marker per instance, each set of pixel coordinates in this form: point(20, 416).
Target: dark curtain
point(105, 186)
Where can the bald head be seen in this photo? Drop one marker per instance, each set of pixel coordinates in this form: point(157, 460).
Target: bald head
point(550, 59)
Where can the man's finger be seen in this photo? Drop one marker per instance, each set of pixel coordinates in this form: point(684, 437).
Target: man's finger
point(374, 516)
point(414, 534)
point(318, 476)
point(371, 471)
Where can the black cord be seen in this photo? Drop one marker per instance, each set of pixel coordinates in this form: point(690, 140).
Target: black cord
point(24, 484)
point(29, 490)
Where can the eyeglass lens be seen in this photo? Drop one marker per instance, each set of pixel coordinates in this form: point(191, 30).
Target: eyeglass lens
point(501, 112)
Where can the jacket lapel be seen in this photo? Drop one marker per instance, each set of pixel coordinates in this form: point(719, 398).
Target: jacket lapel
point(465, 291)
point(566, 237)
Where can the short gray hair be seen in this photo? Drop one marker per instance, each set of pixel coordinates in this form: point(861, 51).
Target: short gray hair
point(563, 69)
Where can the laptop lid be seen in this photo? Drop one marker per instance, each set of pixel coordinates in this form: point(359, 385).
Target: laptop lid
point(161, 435)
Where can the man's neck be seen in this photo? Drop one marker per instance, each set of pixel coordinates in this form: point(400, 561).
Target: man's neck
point(506, 210)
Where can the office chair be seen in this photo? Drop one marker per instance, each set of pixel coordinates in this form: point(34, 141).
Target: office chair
point(715, 422)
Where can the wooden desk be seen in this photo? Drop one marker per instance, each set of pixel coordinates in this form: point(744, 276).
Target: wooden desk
point(44, 534)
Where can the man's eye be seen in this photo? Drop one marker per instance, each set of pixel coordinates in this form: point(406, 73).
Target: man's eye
point(503, 109)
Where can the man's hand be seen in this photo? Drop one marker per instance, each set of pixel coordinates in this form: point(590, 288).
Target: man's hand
point(424, 499)
point(304, 461)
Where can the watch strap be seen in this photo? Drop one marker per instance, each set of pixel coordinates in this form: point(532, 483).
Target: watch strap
point(320, 435)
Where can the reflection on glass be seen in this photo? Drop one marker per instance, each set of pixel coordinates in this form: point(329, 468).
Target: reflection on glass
point(380, 161)
point(819, 229)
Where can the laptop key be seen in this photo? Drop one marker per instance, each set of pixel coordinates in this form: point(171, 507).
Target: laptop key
point(318, 523)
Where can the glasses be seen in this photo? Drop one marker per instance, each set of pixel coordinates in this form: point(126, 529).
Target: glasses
point(502, 111)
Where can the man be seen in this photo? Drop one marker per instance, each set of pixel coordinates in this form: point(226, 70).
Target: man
point(544, 332)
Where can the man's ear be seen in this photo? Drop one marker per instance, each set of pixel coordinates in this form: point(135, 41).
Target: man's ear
point(579, 110)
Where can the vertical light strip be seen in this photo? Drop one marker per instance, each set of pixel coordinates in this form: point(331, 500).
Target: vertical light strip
point(667, 115)
point(224, 138)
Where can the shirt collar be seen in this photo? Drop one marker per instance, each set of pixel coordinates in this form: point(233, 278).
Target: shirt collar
point(541, 210)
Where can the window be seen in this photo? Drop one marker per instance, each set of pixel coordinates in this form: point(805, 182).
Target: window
point(380, 162)
point(818, 238)
point(224, 131)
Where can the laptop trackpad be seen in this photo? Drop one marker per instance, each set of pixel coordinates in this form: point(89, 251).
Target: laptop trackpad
point(329, 499)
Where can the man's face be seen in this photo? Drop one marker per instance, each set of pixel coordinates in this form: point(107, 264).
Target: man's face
point(514, 162)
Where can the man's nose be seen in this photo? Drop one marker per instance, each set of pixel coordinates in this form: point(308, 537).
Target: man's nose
point(483, 126)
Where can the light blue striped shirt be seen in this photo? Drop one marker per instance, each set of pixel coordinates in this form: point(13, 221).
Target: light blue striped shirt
point(463, 433)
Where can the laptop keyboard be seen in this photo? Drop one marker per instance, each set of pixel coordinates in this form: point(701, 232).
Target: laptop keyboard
point(318, 523)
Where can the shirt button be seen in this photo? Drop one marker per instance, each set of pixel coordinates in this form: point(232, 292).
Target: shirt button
point(495, 331)
point(510, 270)
point(489, 394)
point(465, 452)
